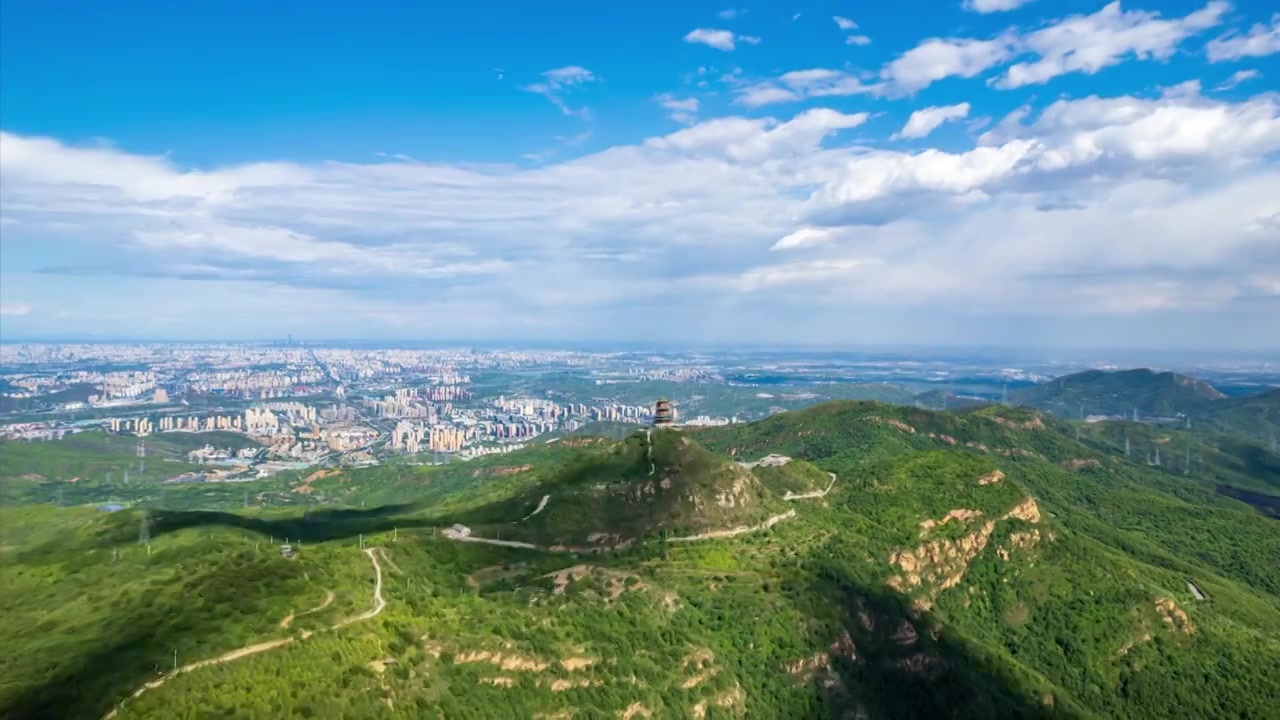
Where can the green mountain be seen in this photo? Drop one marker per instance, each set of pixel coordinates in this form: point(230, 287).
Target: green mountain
point(1098, 392)
point(849, 560)
point(653, 482)
point(1256, 415)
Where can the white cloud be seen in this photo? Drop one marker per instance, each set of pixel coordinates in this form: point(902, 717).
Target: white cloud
point(683, 111)
point(845, 23)
point(923, 122)
point(804, 237)
point(859, 40)
point(749, 39)
point(14, 309)
point(718, 39)
point(730, 14)
point(1120, 136)
point(1079, 43)
point(800, 84)
point(558, 82)
point(1089, 43)
point(1238, 77)
point(1259, 41)
point(938, 58)
point(991, 6)
point(1096, 205)
point(740, 140)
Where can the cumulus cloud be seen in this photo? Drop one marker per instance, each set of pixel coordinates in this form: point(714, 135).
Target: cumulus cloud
point(923, 122)
point(718, 39)
point(991, 6)
point(859, 40)
point(845, 23)
point(731, 13)
point(1094, 205)
point(1259, 41)
point(1089, 43)
point(558, 82)
point(938, 58)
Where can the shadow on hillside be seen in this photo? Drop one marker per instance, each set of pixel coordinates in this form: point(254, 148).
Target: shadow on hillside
point(137, 645)
point(898, 663)
point(315, 526)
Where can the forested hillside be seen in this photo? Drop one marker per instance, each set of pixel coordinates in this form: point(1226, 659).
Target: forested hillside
point(849, 560)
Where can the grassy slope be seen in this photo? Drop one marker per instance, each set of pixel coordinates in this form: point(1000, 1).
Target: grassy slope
point(1037, 635)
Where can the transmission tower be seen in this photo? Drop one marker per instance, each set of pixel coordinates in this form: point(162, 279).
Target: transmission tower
point(142, 453)
point(1126, 446)
point(126, 476)
point(144, 532)
point(1157, 456)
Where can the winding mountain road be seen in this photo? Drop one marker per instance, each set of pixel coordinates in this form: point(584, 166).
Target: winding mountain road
point(379, 604)
point(815, 494)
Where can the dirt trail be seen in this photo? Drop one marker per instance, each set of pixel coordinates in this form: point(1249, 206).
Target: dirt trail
point(717, 534)
point(815, 494)
point(378, 605)
point(449, 534)
point(378, 602)
point(648, 443)
point(328, 600)
point(541, 504)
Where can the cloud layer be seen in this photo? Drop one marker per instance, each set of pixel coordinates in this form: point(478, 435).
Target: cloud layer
point(1067, 211)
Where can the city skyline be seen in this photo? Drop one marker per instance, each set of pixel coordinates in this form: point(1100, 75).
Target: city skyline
point(1070, 175)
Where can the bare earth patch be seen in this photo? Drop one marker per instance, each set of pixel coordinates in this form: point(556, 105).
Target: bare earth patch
point(633, 710)
point(1034, 423)
point(577, 663)
point(507, 661)
point(616, 579)
point(991, 478)
point(306, 488)
point(502, 471)
point(891, 422)
point(961, 514)
point(1174, 616)
point(942, 564)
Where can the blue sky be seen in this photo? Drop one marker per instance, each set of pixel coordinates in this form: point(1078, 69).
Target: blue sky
point(1055, 172)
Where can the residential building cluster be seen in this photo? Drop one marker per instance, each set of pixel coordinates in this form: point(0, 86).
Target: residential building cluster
point(138, 426)
point(256, 382)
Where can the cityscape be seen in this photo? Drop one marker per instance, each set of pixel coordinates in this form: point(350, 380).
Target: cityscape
point(306, 407)
point(298, 406)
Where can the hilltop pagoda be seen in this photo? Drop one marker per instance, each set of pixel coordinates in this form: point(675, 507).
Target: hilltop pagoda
point(662, 413)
